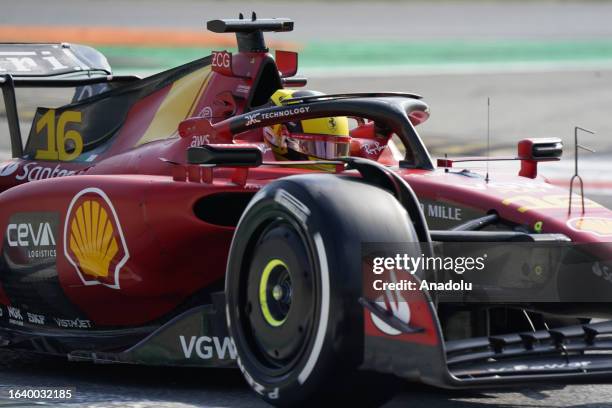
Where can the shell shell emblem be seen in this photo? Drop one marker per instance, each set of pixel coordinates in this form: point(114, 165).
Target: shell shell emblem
point(596, 225)
point(93, 239)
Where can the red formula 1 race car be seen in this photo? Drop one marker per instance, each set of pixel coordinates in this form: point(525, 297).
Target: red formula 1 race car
point(211, 216)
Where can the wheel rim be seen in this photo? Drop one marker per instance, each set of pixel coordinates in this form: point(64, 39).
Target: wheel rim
point(280, 298)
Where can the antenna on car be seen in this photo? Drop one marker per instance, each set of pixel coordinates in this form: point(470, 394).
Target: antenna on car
point(488, 136)
point(576, 175)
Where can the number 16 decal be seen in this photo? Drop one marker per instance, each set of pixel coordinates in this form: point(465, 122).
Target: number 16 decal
point(62, 144)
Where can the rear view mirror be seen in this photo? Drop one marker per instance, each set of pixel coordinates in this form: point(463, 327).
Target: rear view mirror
point(532, 151)
point(287, 63)
point(550, 148)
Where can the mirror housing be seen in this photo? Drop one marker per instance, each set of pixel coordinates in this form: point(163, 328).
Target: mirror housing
point(532, 151)
point(287, 63)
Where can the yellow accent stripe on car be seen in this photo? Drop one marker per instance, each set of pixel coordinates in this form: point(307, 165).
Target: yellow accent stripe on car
point(177, 106)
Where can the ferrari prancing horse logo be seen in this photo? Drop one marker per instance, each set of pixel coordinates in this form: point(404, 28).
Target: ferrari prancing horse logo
point(93, 240)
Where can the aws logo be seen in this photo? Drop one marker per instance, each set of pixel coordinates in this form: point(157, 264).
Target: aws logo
point(596, 225)
point(93, 240)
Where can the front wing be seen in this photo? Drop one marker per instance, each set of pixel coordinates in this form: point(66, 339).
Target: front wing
point(419, 353)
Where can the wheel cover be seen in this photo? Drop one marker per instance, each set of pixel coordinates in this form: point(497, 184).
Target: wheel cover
point(280, 300)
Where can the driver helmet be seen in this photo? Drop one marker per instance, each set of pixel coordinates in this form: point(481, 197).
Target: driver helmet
point(310, 139)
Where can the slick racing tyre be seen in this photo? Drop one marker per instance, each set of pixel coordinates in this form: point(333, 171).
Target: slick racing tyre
point(293, 282)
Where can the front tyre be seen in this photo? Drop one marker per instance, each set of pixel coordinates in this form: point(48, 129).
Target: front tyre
point(293, 283)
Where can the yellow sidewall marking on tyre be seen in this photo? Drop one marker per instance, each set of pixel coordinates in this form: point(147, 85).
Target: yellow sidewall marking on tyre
point(263, 296)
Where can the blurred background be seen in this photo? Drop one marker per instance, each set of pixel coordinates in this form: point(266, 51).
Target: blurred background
point(545, 65)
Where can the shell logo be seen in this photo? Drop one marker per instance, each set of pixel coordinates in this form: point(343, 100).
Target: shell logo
point(596, 225)
point(93, 239)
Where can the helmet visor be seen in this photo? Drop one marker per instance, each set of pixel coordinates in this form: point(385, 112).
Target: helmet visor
point(324, 147)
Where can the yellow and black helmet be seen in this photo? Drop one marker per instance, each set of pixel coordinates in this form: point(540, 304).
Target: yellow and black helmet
point(310, 139)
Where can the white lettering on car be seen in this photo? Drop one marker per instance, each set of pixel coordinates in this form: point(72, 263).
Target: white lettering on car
point(286, 112)
point(197, 141)
point(373, 148)
point(17, 63)
point(14, 315)
point(25, 235)
point(222, 59)
point(442, 211)
point(73, 323)
point(35, 318)
point(206, 347)
point(252, 119)
point(32, 172)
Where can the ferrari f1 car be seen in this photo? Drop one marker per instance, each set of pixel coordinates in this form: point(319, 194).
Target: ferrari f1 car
point(156, 221)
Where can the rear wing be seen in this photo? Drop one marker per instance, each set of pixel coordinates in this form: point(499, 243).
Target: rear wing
point(48, 65)
point(41, 60)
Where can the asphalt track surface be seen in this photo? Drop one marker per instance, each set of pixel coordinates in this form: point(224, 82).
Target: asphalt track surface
point(527, 104)
point(144, 387)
